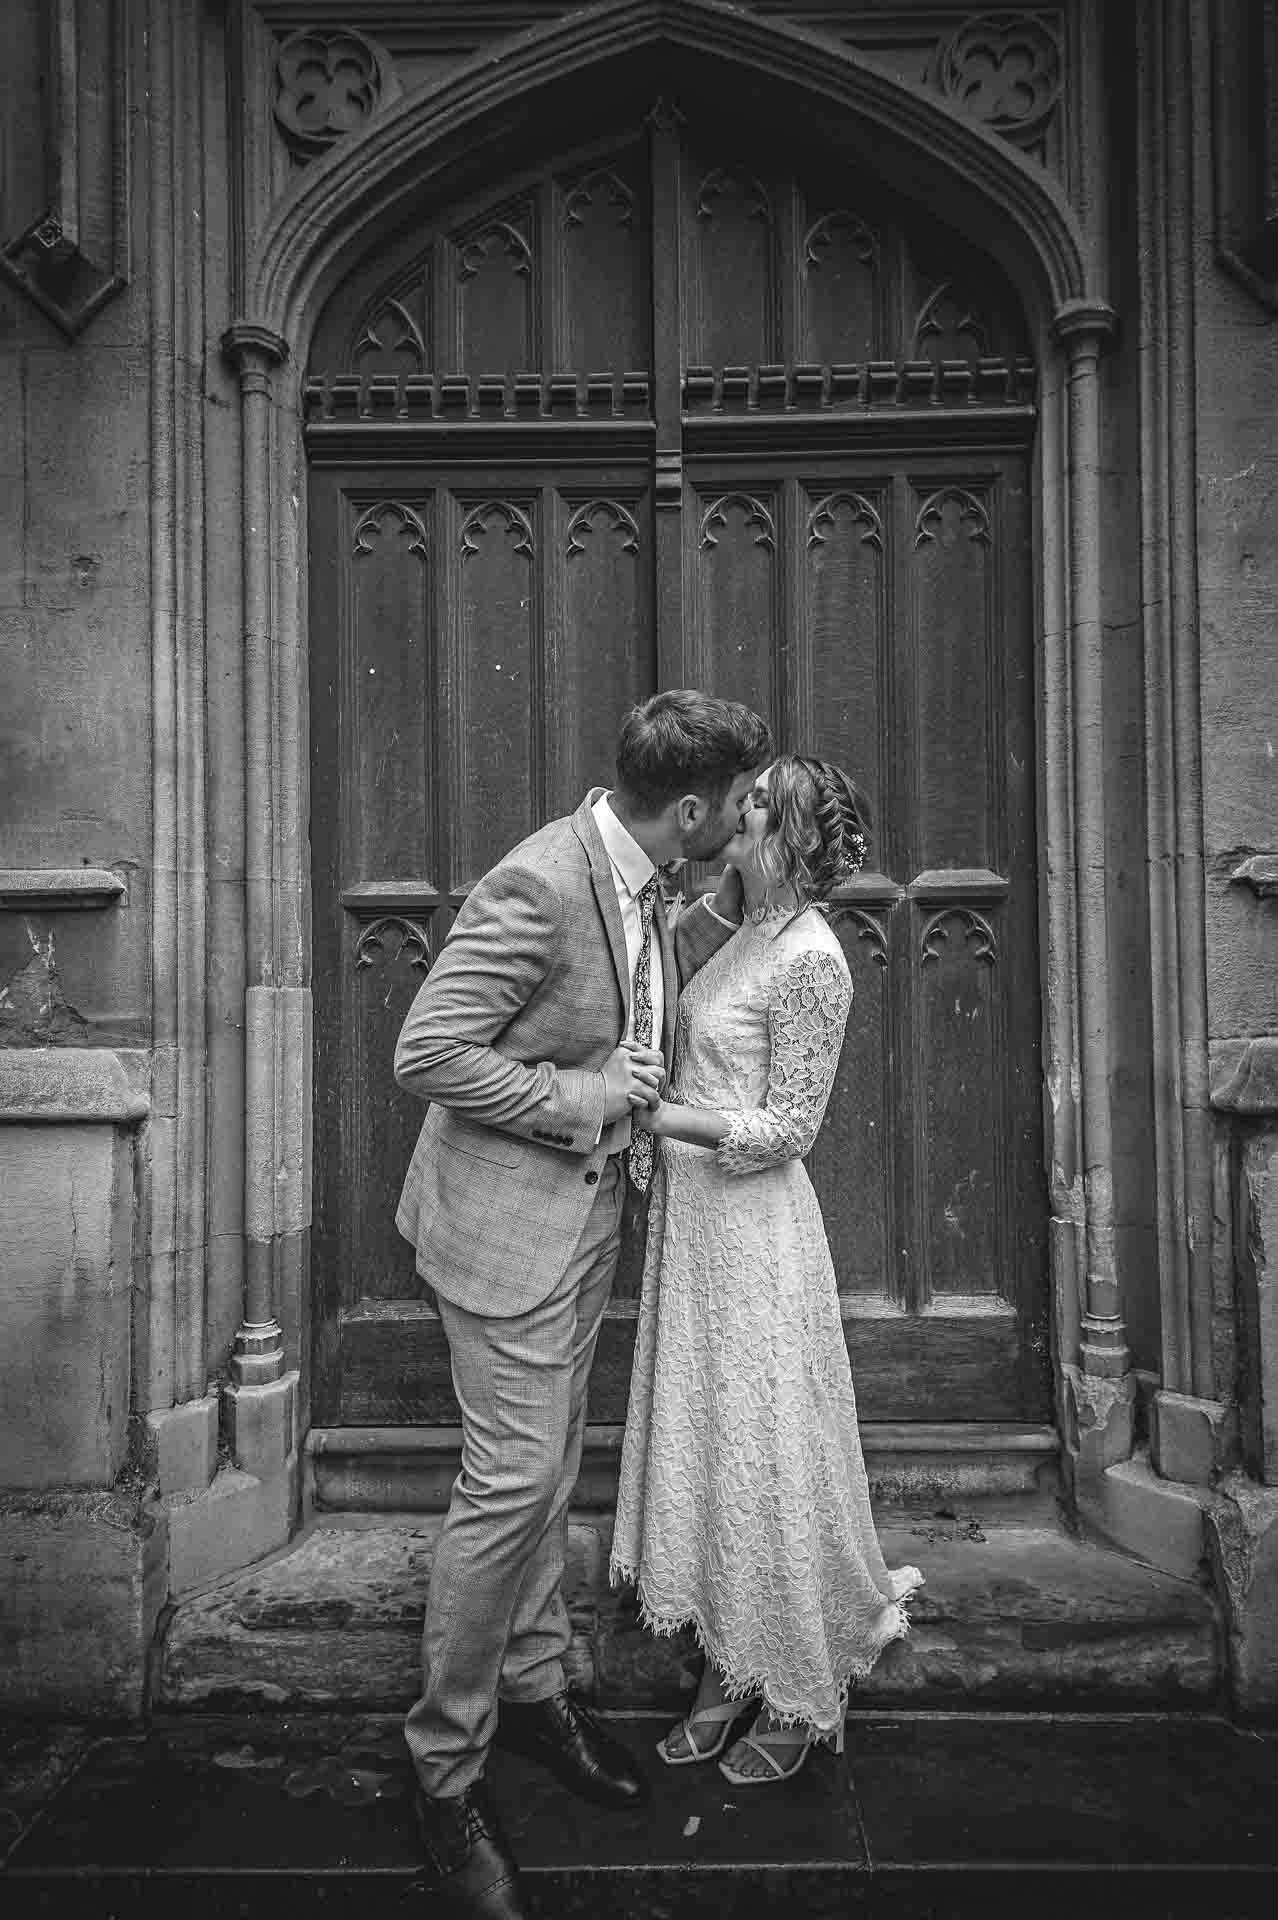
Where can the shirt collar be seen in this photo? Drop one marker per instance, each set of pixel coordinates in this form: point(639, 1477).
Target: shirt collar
point(627, 856)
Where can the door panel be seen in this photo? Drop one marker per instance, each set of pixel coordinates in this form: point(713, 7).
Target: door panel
point(500, 559)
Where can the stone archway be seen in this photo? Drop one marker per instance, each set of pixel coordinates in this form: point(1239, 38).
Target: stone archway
point(433, 142)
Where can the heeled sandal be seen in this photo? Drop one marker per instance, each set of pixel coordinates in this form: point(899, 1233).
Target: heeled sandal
point(762, 1743)
point(721, 1716)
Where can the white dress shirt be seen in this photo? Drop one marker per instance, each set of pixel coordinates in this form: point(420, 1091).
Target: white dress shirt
point(631, 872)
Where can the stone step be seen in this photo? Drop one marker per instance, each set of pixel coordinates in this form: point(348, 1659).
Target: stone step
point(924, 1816)
point(1014, 1614)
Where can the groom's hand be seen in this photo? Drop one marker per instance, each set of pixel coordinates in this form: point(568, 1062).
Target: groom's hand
point(632, 1078)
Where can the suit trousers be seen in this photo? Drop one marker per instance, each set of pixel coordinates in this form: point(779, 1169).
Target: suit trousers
point(496, 1624)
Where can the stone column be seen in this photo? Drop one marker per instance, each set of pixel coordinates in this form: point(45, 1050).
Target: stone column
point(261, 1400)
point(1100, 1385)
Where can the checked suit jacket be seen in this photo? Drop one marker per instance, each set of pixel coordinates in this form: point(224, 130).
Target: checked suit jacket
point(506, 1039)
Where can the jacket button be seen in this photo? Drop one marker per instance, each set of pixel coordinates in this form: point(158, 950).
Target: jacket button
point(592, 1178)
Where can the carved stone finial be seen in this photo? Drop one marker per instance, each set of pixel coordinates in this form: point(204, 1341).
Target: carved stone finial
point(328, 84)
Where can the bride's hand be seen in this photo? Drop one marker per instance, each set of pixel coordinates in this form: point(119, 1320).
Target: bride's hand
point(729, 899)
point(654, 1119)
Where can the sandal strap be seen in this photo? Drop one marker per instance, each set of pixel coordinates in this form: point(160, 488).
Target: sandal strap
point(719, 1715)
point(763, 1743)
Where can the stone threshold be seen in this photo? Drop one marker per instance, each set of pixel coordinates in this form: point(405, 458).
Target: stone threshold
point(1014, 1614)
point(924, 1815)
point(393, 1469)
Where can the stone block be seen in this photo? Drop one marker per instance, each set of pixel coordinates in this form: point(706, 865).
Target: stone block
point(83, 1583)
point(66, 1203)
point(1158, 1521)
point(1188, 1437)
point(185, 1445)
point(237, 1520)
point(1258, 1264)
point(261, 1424)
point(1242, 1535)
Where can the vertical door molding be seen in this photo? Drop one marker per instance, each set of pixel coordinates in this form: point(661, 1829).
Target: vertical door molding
point(1173, 742)
point(1099, 1384)
point(277, 1044)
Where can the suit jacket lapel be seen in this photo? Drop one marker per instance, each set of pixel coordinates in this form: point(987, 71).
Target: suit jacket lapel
point(605, 894)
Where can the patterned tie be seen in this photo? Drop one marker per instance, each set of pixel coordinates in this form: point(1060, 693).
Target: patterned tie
point(639, 1156)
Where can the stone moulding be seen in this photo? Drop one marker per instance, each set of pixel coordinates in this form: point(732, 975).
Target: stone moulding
point(1244, 1076)
point(346, 200)
point(92, 1086)
point(44, 889)
point(74, 257)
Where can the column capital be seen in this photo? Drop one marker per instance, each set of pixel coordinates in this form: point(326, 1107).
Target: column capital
point(252, 347)
point(1085, 320)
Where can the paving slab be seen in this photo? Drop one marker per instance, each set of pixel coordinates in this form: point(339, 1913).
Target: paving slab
point(934, 1817)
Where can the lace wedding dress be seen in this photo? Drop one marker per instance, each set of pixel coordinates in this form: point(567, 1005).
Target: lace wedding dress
point(743, 1508)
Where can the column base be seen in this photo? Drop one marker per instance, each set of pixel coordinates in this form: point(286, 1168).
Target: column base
point(1132, 1508)
point(237, 1520)
point(183, 1445)
point(1191, 1440)
point(1099, 1420)
point(262, 1424)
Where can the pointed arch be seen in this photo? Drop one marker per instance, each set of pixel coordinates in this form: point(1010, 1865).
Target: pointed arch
point(433, 139)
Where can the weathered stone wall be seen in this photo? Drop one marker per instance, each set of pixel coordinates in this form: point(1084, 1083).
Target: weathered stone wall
point(84, 1567)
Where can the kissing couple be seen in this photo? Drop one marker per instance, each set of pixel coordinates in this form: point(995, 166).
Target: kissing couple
point(575, 1034)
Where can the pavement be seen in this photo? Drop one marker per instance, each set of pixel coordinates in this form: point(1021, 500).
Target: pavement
point(926, 1816)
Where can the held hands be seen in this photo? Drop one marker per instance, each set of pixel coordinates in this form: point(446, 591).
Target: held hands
point(633, 1077)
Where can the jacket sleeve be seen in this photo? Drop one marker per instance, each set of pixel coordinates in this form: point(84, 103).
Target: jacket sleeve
point(806, 1017)
point(698, 934)
point(498, 953)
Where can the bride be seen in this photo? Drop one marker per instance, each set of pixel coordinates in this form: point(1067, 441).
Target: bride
point(743, 1508)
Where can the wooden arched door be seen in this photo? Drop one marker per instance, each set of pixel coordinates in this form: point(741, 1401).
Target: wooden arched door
point(658, 414)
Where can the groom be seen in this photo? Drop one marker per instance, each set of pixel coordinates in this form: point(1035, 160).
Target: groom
point(546, 1023)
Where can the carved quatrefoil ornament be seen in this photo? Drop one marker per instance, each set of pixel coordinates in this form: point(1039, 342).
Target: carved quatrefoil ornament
point(328, 85)
point(1004, 69)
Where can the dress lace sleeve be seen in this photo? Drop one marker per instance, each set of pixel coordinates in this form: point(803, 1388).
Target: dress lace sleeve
point(806, 1017)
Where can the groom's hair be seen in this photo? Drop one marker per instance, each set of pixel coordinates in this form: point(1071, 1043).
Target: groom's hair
point(682, 742)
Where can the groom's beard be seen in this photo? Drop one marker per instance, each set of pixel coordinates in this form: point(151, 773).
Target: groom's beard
point(708, 842)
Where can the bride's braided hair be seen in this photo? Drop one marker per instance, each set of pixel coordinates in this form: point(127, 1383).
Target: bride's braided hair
point(818, 826)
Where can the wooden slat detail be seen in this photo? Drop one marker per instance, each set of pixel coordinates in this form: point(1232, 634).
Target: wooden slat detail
point(396, 1368)
point(600, 249)
point(956, 699)
point(495, 640)
point(839, 275)
point(732, 308)
point(601, 654)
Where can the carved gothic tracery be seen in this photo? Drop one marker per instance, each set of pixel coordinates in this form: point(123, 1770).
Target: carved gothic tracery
point(756, 516)
point(863, 511)
point(516, 523)
point(620, 519)
point(973, 514)
point(611, 186)
point(1004, 69)
point(414, 943)
point(327, 85)
point(369, 526)
point(474, 251)
point(733, 183)
point(822, 233)
point(979, 932)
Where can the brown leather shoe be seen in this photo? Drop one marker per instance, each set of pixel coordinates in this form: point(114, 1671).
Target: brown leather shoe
point(565, 1736)
point(469, 1857)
